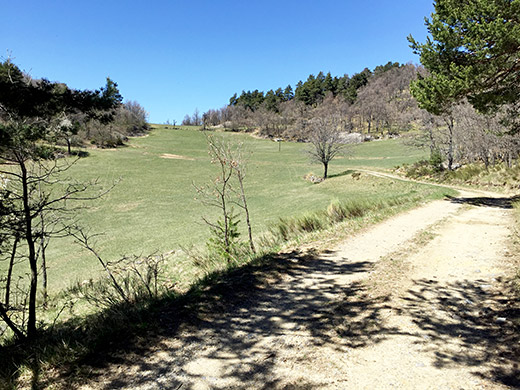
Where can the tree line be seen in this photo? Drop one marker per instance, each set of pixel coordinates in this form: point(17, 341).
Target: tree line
point(284, 113)
point(472, 87)
point(102, 126)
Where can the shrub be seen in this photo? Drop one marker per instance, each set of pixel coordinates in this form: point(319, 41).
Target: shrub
point(131, 280)
point(436, 160)
point(419, 169)
point(220, 246)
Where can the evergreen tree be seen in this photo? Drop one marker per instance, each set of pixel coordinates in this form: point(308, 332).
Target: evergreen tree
point(473, 51)
point(384, 68)
point(271, 101)
point(357, 81)
point(328, 84)
point(288, 93)
point(233, 100)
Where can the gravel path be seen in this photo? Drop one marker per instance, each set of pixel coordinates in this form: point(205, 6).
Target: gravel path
point(411, 303)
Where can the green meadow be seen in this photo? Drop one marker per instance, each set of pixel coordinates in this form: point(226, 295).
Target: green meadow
point(152, 207)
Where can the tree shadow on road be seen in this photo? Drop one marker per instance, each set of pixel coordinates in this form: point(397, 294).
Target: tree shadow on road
point(482, 201)
point(252, 320)
point(468, 324)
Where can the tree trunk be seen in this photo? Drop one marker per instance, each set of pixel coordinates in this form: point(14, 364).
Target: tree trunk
point(246, 209)
point(3, 314)
point(432, 141)
point(31, 321)
point(449, 122)
point(44, 269)
point(10, 274)
point(43, 247)
point(326, 168)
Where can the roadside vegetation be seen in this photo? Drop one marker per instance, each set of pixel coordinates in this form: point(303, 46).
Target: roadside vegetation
point(499, 177)
point(153, 208)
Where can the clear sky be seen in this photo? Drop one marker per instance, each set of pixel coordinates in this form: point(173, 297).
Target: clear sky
point(177, 55)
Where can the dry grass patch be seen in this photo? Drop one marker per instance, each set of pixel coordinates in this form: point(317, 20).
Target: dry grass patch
point(127, 206)
point(176, 157)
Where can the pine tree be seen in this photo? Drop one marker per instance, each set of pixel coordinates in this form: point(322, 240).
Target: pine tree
point(473, 52)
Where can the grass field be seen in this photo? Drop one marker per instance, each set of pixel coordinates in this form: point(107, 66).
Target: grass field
point(152, 207)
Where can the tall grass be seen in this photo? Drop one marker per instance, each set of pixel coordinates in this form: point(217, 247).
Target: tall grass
point(337, 212)
point(498, 177)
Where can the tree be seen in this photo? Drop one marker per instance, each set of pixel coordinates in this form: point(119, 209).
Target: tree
point(325, 140)
point(222, 194)
point(34, 193)
point(288, 93)
point(473, 52)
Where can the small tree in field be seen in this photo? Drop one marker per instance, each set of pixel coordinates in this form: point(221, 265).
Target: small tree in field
point(227, 190)
point(326, 142)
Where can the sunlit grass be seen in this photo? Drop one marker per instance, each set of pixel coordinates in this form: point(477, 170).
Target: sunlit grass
point(153, 208)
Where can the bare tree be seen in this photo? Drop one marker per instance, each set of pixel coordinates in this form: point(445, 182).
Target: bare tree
point(223, 195)
point(238, 163)
point(326, 141)
point(35, 195)
point(37, 213)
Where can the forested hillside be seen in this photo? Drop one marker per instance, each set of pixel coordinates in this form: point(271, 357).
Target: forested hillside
point(371, 104)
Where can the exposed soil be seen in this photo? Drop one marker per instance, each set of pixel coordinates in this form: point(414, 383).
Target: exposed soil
point(176, 157)
point(415, 302)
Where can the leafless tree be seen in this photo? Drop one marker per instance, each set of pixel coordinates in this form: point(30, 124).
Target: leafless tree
point(37, 200)
point(239, 163)
point(222, 193)
point(325, 140)
point(385, 102)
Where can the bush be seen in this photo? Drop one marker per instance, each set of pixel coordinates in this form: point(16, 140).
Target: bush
point(419, 169)
point(436, 160)
point(217, 246)
point(130, 281)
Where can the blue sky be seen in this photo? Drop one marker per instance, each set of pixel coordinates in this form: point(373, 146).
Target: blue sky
point(175, 56)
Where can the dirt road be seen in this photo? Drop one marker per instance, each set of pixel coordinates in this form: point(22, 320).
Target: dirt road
point(412, 303)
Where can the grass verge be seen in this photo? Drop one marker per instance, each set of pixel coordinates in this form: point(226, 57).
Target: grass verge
point(515, 242)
